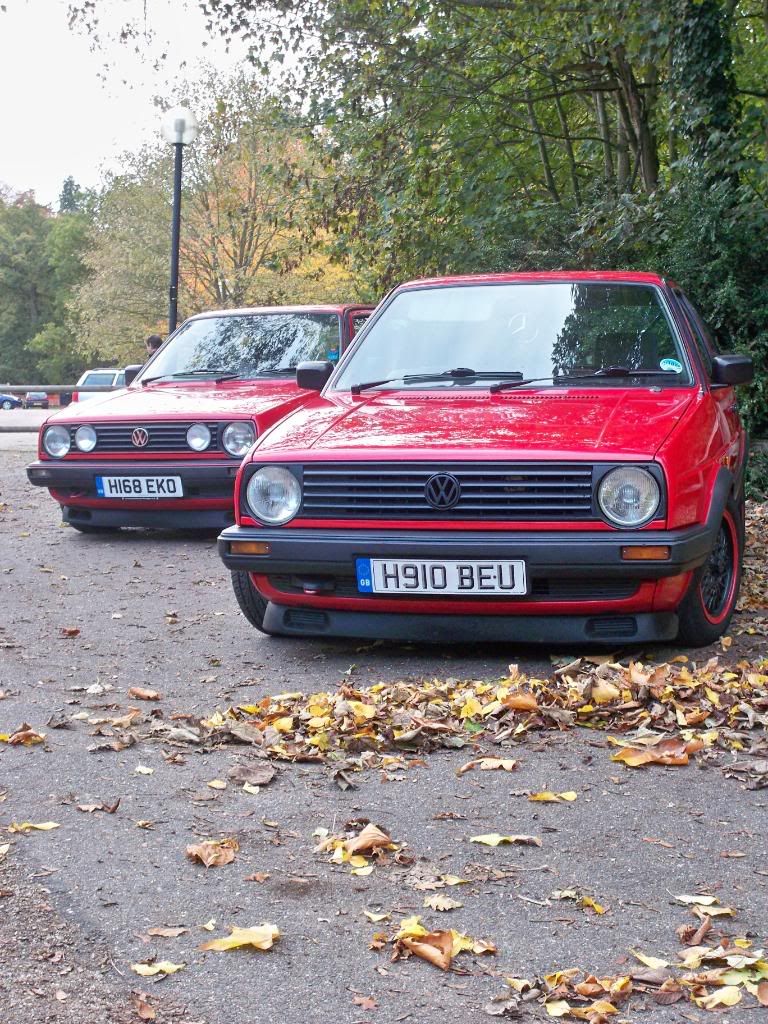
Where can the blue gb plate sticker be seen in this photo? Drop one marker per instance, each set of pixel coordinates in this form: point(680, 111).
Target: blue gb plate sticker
point(364, 575)
point(671, 364)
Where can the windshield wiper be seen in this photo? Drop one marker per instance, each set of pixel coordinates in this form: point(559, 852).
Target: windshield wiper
point(208, 371)
point(603, 372)
point(460, 373)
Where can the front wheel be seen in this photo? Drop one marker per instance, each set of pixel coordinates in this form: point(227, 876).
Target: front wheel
point(252, 604)
point(7, 405)
point(707, 607)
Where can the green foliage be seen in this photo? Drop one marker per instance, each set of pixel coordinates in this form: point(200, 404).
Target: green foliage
point(756, 484)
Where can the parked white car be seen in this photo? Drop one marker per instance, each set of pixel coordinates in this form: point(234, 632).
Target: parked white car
point(101, 376)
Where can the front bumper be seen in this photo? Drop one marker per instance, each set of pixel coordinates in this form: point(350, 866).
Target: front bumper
point(312, 558)
point(208, 488)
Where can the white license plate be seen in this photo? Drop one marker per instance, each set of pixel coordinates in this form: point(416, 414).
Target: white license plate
point(406, 576)
point(148, 487)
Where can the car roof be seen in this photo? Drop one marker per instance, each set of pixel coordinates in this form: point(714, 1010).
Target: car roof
point(330, 307)
point(543, 276)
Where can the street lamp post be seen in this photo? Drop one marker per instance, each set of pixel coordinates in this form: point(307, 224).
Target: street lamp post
point(179, 129)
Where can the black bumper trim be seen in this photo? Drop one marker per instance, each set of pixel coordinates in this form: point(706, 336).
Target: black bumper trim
point(150, 519)
point(64, 475)
point(602, 630)
point(574, 554)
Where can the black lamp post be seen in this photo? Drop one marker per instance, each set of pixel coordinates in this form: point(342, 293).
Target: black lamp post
point(179, 130)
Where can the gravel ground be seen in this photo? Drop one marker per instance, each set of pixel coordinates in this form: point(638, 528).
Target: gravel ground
point(77, 902)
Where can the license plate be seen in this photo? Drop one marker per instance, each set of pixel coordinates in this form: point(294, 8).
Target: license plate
point(148, 487)
point(405, 576)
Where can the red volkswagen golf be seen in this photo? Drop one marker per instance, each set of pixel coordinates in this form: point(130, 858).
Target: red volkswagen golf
point(164, 452)
point(526, 457)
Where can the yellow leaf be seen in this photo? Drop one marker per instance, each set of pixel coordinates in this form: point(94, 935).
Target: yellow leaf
point(587, 903)
point(141, 769)
point(248, 788)
point(209, 925)
point(262, 937)
point(494, 839)
point(708, 911)
point(547, 796)
point(654, 962)
point(603, 692)
point(217, 784)
point(362, 712)
point(375, 918)
point(471, 709)
point(557, 1008)
point(162, 967)
point(4, 848)
point(729, 995)
point(411, 928)
point(702, 901)
point(362, 871)
point(28, 826)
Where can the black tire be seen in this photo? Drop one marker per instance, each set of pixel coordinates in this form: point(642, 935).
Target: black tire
point(252, 604)
point(7, 405)
point(89, 528)
point(705, 611)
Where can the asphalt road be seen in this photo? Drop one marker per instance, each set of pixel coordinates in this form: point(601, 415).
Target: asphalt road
point(156, 611)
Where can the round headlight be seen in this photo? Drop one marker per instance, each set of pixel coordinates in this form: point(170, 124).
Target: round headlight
point(198, 437)
point(56, 441)
point(238, 437)
point(85, 439)
point(274, 495)
point(628, 496)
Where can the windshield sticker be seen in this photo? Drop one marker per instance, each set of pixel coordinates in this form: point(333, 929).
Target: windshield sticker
point(671, 364)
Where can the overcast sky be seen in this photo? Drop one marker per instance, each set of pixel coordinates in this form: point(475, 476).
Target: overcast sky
point(67, 109)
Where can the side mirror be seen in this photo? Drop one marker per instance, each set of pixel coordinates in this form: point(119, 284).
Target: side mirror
point(130, 373)
point(313, 375)
point(732, 368)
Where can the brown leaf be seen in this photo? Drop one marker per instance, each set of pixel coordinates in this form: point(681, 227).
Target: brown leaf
point(167, 932)
point(762, 993)
point(69, 632)
point(25, 735)
point(107, 808)
point(139, 693)
point(257, 876)
point(144, 1010)
point(520, 702)
point(435, 947)
point(371, 838)
point(246, 733)
point(213, 853)
point(258, 774)
point(365, 1002)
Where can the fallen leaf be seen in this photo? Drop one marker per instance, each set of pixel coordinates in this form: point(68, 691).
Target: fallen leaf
point(370, 838)
point(257, 876)
point(144, 1010)
point(486, 764)
point(139, 693)
point(141, 769)
point(213, 853)
point(262, 937)
point(375, 918)
point(28, 826)
point(69, 632)
point(438, 901)
point(166, 932)
point(557, 1008)
point(729, 995)
point(255, 775)
point(494, 839)
point(365, 1002)
point(653, 962)
point(217, 784)
point(252, 790)
point(549, 797)
point(25, 735)
point(162, 967)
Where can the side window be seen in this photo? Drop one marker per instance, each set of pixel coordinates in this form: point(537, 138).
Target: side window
point(357, 322)
point(702, 337)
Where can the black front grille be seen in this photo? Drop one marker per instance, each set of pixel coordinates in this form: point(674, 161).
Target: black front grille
point(163, 437)
point(542, 589)
point(512, 491)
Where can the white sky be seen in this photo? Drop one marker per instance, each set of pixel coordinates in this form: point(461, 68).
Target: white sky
point(59, 117)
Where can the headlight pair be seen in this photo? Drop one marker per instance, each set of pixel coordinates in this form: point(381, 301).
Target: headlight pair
point(236, 437)
point(57, 441)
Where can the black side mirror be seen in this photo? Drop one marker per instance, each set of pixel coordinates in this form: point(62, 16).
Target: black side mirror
point(313, 375)
point(130, 373)
point(732, 368)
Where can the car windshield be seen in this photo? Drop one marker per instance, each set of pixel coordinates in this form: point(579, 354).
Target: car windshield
point(539, 331)
point(248, 346)
point(99, 379)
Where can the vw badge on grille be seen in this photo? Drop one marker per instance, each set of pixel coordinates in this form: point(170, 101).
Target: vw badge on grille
point(442, 491)
point(139, 437)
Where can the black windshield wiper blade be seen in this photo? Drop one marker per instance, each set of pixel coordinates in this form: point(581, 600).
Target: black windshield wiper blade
point(603, 373)
point(209, 371)
point(460, 373)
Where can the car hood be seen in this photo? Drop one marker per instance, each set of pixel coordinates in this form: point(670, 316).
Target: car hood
point(555, 424)
point(195, 400)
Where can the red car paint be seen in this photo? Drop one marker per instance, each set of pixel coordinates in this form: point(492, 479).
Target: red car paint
point(261, 400)
point(691, 434)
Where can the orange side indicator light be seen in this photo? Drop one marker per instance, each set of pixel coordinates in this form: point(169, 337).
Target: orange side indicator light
point(249, 547)
point(643, 552)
